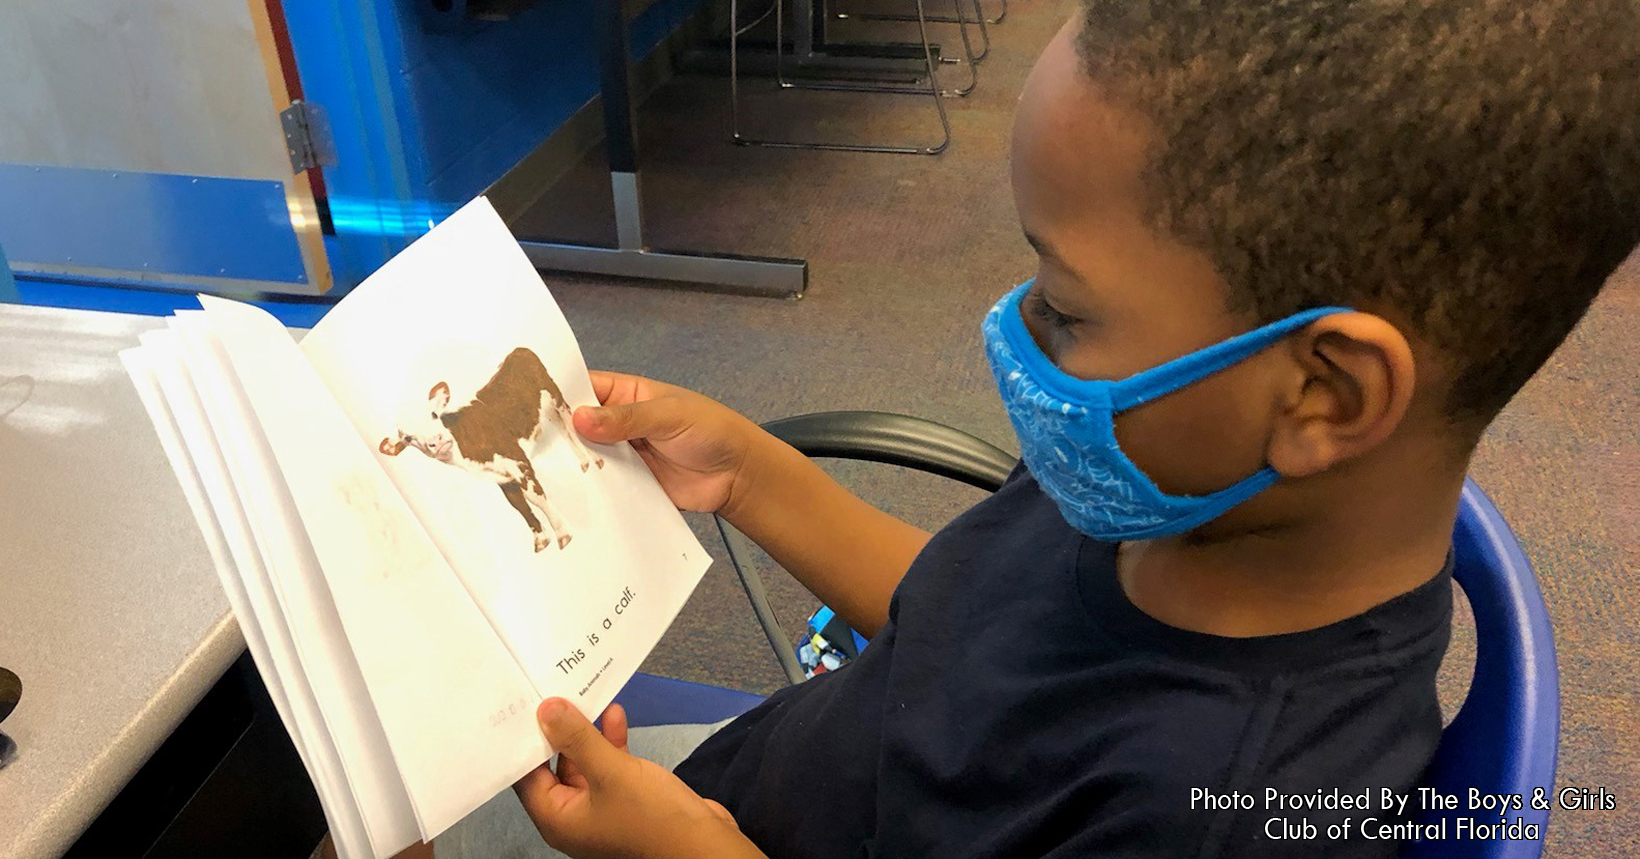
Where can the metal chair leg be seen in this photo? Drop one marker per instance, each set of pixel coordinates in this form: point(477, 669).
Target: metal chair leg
point(740, 551)
point(933, 90)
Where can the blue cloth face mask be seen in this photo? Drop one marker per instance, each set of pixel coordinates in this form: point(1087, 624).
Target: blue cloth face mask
point(1067, 429)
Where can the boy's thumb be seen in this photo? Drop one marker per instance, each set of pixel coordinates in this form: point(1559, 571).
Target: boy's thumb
point(659, 417)
point(572, 735)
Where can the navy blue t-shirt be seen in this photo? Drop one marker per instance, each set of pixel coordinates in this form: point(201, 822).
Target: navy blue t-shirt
point(1017, 704)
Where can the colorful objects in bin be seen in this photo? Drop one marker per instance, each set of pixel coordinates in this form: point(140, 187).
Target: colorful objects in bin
point(830, 645)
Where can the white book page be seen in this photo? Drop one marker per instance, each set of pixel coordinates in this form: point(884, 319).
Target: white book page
point(359, 762)
point(140, 364)
point(457, 711)
point(196, 468)
point(448, 314)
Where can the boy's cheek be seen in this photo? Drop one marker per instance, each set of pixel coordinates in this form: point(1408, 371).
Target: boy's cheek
point(1197, 440)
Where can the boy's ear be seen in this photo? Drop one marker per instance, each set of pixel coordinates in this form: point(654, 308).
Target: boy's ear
point(1352, 388)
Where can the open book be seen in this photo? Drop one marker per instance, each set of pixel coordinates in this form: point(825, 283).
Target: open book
point(417, 544)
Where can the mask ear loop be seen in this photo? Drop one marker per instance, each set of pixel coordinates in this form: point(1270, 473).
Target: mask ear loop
point(1147, 385)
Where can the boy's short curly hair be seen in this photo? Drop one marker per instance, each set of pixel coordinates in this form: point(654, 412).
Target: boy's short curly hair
point(1472, 165)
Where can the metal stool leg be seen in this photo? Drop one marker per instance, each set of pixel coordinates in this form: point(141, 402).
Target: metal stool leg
point(969, 59)
point(959, 19)
point(1002, 13)
point(961, 92)
point(984, 35)
point(933, 90)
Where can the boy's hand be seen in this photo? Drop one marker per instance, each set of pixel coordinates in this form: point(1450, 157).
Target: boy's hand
point(606, 804)
point(711, 459)
point(696, 446)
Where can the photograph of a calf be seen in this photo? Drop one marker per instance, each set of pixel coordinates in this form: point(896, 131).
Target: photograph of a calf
point(492, 436)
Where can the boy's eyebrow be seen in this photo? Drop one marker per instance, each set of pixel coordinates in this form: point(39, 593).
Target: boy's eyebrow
point(1042, 247)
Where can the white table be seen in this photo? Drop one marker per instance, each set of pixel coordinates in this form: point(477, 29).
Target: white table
point(109, 609)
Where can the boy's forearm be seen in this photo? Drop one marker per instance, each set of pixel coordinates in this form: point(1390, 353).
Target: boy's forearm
point(849, 553)
point(723, 843)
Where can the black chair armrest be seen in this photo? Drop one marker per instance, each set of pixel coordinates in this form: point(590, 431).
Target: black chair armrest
point(897, 440)
point(882, 437)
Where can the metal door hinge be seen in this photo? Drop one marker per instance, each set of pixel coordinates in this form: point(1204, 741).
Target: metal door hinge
point(307, 136)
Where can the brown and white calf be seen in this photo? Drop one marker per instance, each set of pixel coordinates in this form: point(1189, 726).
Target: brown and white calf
point(490, 437)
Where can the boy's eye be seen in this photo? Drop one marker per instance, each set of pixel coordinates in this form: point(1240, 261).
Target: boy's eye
point(1039, 307)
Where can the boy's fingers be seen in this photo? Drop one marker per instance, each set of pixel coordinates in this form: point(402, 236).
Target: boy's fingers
point(603, 383)
point(534, 788)
point(620, 388)
point(573, 737)
point(549, 804)
point(615, 726)
point(570, 774)
point(659, 418)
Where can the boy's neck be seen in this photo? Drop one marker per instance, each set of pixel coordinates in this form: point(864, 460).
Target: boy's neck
point(1307, 573)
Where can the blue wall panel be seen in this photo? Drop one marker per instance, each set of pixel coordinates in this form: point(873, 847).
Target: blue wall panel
point(156, 223)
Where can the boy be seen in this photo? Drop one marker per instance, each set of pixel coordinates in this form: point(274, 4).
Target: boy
point(1389, 213)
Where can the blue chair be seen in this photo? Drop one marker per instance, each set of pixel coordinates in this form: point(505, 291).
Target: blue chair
point(1507, 733)
point(1503, 740)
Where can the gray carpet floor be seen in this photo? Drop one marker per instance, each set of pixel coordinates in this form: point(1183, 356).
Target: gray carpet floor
point(907, 252)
